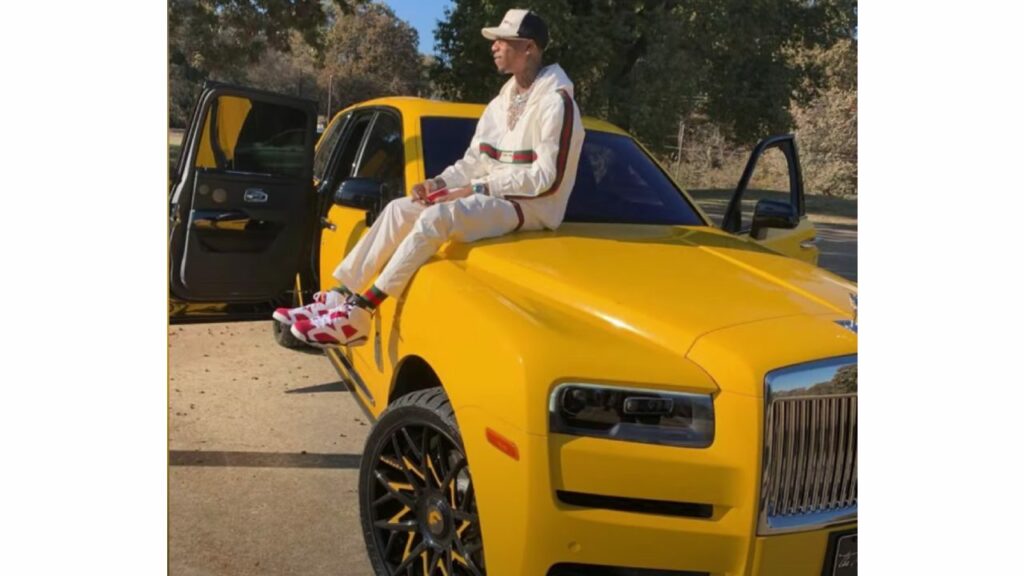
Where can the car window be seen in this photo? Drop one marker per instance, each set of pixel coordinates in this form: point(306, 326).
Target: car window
point(769, 180)
point(616, 180)
point(243, 135)
point(383, 156)
point(350, 145)
point(326, 147)
point(444, 141)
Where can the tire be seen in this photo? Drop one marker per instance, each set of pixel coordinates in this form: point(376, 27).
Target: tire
point(283, 336)
point(418, 511)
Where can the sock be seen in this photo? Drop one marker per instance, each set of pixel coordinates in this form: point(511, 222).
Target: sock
point(370, 299)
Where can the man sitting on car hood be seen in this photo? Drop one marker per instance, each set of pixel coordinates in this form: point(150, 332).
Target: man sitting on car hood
point(516, 175)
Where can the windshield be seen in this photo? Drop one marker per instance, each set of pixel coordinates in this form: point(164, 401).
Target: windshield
point(616, 181)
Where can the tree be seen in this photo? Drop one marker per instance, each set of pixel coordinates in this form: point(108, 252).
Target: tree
point(827, 124)
point(645, 64)
point(293, 72)
point(370, 53)
point(219, 39)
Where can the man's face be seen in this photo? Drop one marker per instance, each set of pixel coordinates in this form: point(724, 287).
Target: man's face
point(510, 54)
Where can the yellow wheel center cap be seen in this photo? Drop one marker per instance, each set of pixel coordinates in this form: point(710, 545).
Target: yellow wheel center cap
point(435, 521)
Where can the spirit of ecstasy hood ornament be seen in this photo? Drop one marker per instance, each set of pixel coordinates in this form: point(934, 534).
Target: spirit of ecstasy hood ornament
point(850, 325)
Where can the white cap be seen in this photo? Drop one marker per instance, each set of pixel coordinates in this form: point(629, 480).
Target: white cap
point(519, 23)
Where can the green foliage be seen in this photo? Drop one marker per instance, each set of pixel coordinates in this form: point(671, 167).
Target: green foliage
point(366, 53)
point(826, 126)
point(293, 71)
point(370, 53)
point(217, 39)
point(645, 64)
point(733, 70)
point(824, 109)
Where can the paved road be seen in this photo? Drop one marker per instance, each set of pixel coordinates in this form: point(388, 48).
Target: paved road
point(837, 238)
point(838, 245)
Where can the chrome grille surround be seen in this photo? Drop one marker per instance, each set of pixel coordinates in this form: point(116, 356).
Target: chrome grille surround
point(809, 467)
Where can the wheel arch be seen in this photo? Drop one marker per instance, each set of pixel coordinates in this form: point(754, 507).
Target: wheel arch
point(413, 374)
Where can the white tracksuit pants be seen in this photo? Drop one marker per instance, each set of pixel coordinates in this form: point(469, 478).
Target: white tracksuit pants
point(407, 234)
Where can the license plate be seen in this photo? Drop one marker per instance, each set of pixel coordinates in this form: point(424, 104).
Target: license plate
point(844, 559)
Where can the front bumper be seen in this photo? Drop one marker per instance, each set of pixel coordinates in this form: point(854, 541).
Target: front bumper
point(527, 529)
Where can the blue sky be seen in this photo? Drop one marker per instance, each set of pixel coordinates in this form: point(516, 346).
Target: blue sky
point(423, 15)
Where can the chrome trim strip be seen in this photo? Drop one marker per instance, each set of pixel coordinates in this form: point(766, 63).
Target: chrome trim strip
point(827, 450)
point(800, 454)
point(809, 471)
point(837, 481)
point(828, 473)
point(852, 496)
point(790, 424)
point(850, 470)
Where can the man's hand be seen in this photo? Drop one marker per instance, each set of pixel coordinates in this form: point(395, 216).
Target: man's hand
point(455, 194)
point(420, 191)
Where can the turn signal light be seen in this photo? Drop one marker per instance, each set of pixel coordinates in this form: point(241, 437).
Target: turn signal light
point(504, 444)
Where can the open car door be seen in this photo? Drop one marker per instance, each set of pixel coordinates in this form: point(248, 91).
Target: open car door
point(241, 204)
point(765, 210)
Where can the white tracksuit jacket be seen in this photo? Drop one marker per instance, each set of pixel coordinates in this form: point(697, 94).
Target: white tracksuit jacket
point(533, 165)
point(530, 172)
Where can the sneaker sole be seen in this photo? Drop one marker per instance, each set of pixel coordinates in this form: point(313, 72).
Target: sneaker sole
point(354, 343)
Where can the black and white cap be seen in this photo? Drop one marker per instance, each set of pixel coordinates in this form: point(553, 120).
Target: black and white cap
point(520, 24)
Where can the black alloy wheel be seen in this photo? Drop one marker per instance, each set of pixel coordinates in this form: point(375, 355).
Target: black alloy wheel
point(416, 496)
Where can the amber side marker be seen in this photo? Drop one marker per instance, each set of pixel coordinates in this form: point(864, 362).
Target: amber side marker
point(504, 444)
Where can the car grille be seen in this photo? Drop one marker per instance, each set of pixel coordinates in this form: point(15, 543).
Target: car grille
point(810, 454)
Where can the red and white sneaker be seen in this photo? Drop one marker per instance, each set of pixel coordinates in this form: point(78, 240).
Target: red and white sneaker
point(343, 326)
point(322, 303)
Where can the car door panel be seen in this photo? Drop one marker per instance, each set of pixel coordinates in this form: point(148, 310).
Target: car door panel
point(798, 241)
point(380, 156)
point(342, 226)
point(235, 223)
point(242, 207)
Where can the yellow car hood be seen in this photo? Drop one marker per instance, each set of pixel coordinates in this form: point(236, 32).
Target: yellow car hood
point(667, 285)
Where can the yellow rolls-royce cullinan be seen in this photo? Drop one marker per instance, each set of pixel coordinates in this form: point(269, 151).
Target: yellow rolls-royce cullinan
point(639, 393)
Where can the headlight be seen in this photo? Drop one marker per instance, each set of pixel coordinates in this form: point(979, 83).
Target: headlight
point(633, 414)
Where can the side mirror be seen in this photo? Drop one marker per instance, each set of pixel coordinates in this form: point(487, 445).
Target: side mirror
point(773, 214)
point(361, 193)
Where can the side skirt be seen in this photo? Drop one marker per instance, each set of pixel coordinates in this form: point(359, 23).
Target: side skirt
point(353, 382)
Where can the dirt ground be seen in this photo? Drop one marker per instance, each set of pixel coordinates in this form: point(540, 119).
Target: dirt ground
point(264, 457)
